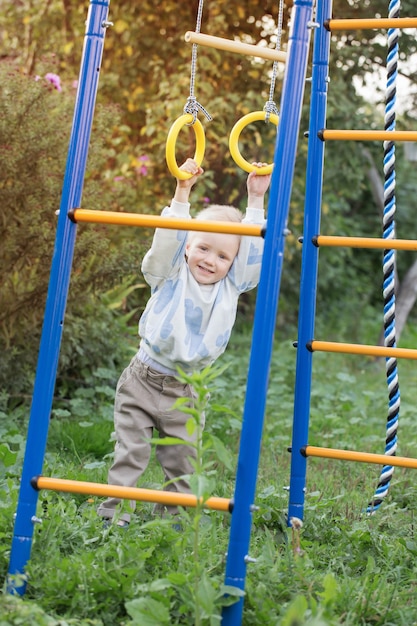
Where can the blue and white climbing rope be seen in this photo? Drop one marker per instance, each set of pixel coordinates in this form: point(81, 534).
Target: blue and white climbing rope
point(389, 265)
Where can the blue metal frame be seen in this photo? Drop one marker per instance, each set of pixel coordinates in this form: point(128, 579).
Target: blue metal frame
point(57, 293)
point(267, 305)
point(309, 266)
point(267, 300)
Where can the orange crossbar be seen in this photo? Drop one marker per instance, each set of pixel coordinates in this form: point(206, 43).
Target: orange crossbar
point(158, 221)
point(368, 135)
point(365, 242)
point(351, 348)
point(128, 493)
point(372, 23)
point(361, 457)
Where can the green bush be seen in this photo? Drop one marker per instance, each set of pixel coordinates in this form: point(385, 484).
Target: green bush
point(14, 611)
point(35, 124)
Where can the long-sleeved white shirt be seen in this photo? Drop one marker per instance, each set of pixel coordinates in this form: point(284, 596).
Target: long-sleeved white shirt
point(185, 323)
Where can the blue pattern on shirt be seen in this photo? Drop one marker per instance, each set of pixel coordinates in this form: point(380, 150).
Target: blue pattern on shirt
point(193, 322)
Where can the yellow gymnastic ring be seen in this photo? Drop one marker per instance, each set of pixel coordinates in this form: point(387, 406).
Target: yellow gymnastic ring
point(200, 144)
point(256, 116)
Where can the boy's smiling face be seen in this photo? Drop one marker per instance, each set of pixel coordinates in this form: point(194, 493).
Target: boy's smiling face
point(210, 255)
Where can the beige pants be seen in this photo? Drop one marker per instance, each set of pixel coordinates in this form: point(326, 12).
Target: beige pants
point(144, 400)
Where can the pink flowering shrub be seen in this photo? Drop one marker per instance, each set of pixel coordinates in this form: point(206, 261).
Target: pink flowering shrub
point(54, 79)
point(142, 169)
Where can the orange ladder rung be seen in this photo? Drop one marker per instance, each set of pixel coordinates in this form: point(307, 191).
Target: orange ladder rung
point(365, 242)
point(367, 135)
point(371, 23)
point(129, 493)
point(352, 348)
point(361, 457)
point(159, 221)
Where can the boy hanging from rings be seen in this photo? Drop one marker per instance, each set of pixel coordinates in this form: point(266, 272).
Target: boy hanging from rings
point(196, 279)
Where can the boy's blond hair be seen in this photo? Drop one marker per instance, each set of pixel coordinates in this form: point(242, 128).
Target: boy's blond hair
point(221, 213)
point(218, 213)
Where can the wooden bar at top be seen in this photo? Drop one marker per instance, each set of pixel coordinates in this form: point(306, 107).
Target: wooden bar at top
point(368, 135)
point(361, 457)
point(159, 221)
point(128, 493)
point(352, 348)
point(365, 242)
point(371, 23)
point(239, 47)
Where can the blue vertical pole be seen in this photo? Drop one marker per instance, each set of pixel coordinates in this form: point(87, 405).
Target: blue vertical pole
point(267, 305)
point(57, 293)
point(309, 265)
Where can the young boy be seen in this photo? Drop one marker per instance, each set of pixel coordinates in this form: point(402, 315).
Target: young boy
point(195, 281)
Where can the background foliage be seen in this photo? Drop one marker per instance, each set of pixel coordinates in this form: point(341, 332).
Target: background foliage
point(144, 84)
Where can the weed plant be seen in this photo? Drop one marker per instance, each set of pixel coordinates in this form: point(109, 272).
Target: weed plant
point(340, 567)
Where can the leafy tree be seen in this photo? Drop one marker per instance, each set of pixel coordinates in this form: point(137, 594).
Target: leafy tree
point(145, 79)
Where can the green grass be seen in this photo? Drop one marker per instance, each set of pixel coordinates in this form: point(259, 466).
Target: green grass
point(341, 567)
